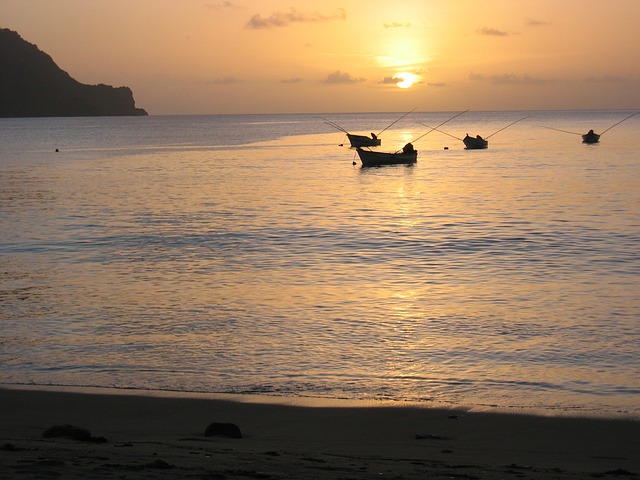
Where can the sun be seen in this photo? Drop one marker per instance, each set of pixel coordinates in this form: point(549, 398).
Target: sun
point(405, 79)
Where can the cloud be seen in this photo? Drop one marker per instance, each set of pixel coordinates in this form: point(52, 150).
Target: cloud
point(531, 22)
point(225, 81)
point(341, 78)
point(224, 4)
point(284, 19)
point(291, 80)
point(510, 79)
point(492, 32)
point(394, 80)
point(397, 25)
point(437, 84)
point(604, 79)
point(391, 80)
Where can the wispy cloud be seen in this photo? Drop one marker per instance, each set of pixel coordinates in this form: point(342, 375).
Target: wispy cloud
point(291, 80)
point(223, 4)
point(604, 79)
point(225, 81)
point(492, 32)
point(510, 79)
point(397, 25)
point(437, 84)
point(341, 78)
point(284, 19)
point(532, 22)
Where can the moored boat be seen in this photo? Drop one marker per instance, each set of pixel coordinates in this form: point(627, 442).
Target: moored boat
point(357, 141)
point(590, 137)
point(370, 158)
point(475, 143)
point(406, 156)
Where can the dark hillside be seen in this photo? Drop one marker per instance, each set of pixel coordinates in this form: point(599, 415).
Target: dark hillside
point(32, 85)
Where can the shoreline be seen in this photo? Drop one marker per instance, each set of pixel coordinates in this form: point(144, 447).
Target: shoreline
point(320, 401)
point(161, 435)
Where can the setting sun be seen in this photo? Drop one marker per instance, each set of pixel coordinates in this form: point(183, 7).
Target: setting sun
point(226, 56)
point(405, 79)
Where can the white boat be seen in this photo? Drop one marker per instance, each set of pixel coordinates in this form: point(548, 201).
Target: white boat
point(370, 158)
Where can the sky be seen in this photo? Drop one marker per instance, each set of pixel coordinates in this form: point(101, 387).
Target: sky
point(185, 57)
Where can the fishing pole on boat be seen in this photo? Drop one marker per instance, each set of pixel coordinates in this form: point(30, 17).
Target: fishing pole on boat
point(435, 128)
point(486, 138)
point(392, 124)
point(627, 118)
point(558, 130)
point(441, 131)
point(334, 125)
point(504, 128)
point(575, 133)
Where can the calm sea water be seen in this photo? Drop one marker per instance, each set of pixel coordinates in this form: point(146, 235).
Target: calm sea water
point(248, 254)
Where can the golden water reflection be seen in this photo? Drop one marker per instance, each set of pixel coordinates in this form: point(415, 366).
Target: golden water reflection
point(462, 278)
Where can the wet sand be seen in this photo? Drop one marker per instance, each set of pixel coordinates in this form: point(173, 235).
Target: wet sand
point(136, 435)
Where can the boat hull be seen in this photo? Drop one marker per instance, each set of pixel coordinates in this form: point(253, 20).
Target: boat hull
point(474, 143)
point(376, 159)
point(357, 141)
point(590, 138)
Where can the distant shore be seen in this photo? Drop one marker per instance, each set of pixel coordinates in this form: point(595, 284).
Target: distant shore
point(135, 435)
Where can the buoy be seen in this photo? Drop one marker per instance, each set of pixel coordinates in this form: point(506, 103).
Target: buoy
point(353, 163)
point(446, 148)
point(57, 150)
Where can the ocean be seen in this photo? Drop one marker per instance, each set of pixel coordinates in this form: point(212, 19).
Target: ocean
point(252, 254)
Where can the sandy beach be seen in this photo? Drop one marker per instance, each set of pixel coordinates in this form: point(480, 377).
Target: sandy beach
point(135, 436)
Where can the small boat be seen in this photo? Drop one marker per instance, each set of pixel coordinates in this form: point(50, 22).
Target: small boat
point(358, 141)
point(475, 143)
point(408, 155)
point(590, 137)
point(369, 158)
point(363, 141)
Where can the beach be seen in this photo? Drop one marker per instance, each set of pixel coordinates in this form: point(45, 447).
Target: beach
point(137, 435)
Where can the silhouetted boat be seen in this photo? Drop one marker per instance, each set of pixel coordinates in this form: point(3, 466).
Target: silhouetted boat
point(590, 137)
point(407, 155)
point(475, 143)
point(370, 158)
point(358, 141)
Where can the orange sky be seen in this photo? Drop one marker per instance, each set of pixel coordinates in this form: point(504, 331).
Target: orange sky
point(281, 56)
